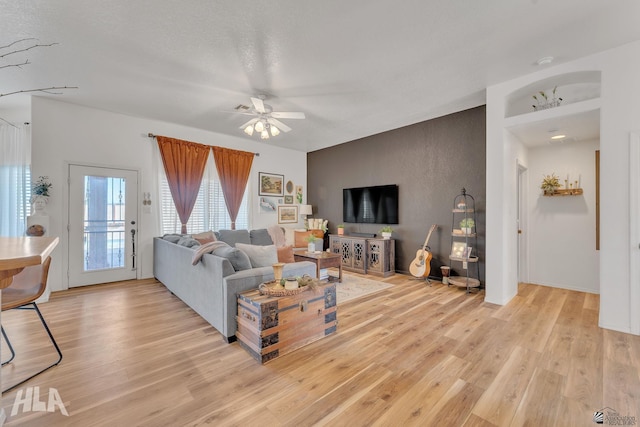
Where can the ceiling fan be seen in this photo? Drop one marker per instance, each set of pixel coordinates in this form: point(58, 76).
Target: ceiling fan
point(266, 121)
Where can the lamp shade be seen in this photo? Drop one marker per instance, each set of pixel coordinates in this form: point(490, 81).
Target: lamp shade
point(306, 210)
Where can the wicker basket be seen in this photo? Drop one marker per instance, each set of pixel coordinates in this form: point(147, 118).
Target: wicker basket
point(268, 288)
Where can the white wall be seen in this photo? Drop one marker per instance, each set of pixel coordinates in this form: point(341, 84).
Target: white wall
point(561, 230)
point(620, 109)
point(64, 133)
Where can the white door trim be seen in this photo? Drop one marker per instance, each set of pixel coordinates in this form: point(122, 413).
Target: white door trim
point(66, 214)
point(634, 232)
point(522, 239)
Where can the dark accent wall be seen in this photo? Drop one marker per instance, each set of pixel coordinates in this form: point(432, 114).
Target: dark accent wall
point(429, 161)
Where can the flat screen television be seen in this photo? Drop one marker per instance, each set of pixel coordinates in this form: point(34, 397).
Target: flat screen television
point(370, 205)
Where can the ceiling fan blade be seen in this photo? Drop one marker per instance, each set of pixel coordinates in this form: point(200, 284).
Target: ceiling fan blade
point(258, 104)
point(250, 122)
point(278, 124)
point(289, 115)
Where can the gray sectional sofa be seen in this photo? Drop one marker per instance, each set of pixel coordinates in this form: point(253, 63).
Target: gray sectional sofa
point(210, 286)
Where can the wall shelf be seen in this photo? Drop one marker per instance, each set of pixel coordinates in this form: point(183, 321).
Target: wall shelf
point(565, 192)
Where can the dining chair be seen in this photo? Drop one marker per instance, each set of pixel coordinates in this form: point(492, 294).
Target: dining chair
point(21, 294)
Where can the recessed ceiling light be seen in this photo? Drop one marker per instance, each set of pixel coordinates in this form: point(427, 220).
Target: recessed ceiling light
point(544, 61)
point(558, 136)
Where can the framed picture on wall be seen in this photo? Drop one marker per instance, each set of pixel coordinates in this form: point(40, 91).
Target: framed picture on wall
point(271, 184)
point(458, 249)
point(288, 200)
point(287, 214)
point(268, 205)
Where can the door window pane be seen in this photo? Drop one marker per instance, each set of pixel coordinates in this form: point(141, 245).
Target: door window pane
point(104, 227)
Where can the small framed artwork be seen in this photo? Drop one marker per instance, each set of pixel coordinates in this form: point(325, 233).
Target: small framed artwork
point(458, 249)
point(299, 194)
point(288, 200)
point(268, 205)
point(271, 184)
point(289, 187)
point(287, 214)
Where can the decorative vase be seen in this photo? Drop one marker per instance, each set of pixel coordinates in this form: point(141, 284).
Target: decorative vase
point(340, 231)
point(466, 230)
point(386, 235)
point(311, 247)
point(277, 271)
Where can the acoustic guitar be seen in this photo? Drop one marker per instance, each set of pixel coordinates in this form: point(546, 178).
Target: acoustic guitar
point(421, 265)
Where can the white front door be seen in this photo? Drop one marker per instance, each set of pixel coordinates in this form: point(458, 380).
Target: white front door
point(103, 219)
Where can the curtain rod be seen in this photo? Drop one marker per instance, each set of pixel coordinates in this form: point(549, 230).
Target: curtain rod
point(151, 135)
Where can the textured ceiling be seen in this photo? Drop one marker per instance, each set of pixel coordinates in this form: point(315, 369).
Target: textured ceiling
point(354, 68)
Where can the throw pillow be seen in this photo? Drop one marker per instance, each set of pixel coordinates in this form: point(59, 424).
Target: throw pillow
point(261, 237)
point(173, 238)
point(205, 248)
point(231, 237)
point(188, 242)
point(260, 256)
point(289, 236)
point(285, 254)
point(205, 237)
point(239, 260)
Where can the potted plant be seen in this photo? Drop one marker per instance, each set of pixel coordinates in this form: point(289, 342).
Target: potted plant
point(340, 229)
point(386, 232)
point(550, 184)
point(311, 242)
point(467, 225)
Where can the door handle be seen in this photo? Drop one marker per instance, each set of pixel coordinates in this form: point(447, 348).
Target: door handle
point(133, 246)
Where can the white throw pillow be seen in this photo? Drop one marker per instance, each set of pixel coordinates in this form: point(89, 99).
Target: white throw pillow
point(289, 236)
point(260, 256)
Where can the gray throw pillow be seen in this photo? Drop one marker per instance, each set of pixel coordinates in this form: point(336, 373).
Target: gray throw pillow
point(231, 237)
point(239, 260)
point(173, 238)
point(260, 237)
point(260, 256)
point(189, 242)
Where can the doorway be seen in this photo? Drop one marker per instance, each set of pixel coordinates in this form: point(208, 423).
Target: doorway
point(523, 257)
point(102, 225)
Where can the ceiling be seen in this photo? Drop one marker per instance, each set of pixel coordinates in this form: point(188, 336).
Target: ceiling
point(354, 68)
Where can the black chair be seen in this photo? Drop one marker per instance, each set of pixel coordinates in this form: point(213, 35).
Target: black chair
point(26, 288)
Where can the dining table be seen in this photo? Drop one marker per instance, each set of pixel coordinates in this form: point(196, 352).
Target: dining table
point(16, 253)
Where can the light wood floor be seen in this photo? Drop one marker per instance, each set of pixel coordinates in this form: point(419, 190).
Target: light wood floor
point(410, 355)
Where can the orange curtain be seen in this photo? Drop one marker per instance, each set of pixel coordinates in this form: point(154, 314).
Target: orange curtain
point(233, 170)
point(184, 164)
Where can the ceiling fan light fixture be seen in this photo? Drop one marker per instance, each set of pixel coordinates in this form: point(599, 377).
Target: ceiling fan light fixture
point(274, 130)
point(264, 134)
point(259, 126)
point(249, 130)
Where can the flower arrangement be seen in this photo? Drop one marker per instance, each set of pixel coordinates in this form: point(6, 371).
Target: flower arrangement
point(543, 102)
point(310, 238)
point(41, 187)
point(550, 183)
point(386, 229)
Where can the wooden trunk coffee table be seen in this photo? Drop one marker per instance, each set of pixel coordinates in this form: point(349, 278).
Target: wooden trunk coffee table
point(321, 260)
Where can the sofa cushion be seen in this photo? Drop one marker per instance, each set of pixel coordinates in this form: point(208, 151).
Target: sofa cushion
point(239, 260)
point(260, 256)
point(285, 254)
point(189, 242)
point(261, 237)
point(231, 237)
point(205, 237)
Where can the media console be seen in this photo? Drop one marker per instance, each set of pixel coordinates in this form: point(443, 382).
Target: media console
point(366, 255)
